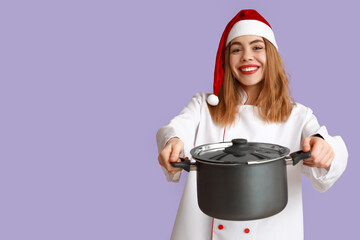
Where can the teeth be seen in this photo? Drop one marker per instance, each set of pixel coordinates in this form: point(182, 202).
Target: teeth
point(248, 69)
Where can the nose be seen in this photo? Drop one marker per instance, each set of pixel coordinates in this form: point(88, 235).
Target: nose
point(247, 55)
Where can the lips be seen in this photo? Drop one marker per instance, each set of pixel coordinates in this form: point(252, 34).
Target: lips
point(249, 69)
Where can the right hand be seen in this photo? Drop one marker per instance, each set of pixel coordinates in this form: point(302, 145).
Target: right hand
point(171, 153)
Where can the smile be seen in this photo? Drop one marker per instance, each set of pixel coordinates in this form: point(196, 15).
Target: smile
point(249, 69)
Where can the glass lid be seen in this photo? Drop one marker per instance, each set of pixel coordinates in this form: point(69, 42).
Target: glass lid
point(239, 151)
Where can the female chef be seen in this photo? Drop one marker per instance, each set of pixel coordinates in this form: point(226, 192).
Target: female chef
point(251, 101)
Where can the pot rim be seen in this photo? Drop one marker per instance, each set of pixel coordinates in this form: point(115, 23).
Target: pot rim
point(206, 148)
point(244, 163)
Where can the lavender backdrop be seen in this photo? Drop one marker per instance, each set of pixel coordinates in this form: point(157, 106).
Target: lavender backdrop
point(86, 84)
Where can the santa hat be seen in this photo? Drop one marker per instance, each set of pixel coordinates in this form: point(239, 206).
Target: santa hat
point(246, 22)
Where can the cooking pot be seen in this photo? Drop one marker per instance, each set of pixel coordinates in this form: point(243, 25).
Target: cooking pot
point(241, 180)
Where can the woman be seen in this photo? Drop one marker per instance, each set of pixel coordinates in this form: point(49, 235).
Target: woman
point(250, 101)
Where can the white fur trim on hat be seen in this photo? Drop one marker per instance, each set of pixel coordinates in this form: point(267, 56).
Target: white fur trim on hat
point(251, 27)
point(213, 100)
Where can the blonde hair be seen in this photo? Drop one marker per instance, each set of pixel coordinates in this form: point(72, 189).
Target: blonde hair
point(273, 102)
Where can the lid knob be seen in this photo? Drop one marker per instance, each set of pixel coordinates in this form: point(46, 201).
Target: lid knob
point(239, 142)
point(239, 147)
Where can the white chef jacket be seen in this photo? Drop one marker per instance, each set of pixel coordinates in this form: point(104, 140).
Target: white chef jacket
point(194, 126)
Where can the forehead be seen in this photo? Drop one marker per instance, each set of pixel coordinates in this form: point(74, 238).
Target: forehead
point(247, 39)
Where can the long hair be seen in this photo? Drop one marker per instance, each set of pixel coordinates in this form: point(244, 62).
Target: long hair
point(273, 102)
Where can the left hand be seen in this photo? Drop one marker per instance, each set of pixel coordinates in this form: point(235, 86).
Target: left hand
point(322, 153)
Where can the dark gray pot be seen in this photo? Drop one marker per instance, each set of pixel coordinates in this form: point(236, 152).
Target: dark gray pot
point(244, 190)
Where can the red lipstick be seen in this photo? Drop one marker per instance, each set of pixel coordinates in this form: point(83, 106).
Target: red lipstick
point(249, 69)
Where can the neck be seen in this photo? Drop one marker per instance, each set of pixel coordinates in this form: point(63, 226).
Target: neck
point(252, 94)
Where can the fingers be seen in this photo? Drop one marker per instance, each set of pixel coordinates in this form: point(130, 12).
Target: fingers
point(317, 151)
point(322, 153)
point(306, 144)
point(175, 153)
point(327, 159)
point(163, 156)
point(171, 153)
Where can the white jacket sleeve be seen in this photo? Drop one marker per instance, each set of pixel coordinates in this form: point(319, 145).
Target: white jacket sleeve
point(322, 179)
point(183, 126)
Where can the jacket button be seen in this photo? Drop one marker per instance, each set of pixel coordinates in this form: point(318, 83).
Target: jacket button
point(246, 230)
point(221, 227)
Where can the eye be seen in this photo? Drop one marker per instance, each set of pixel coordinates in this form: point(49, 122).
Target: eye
point(235, 50)
point(258, 47)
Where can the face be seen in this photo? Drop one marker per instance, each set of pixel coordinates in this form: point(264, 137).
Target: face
point(247, 60)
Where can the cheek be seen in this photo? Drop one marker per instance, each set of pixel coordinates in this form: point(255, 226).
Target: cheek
point(262, 60)
point(232, 62)
point(232, 65)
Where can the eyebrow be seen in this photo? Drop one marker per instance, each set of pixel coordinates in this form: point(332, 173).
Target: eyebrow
point(252, 42)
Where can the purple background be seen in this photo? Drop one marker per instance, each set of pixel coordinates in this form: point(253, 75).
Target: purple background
point(86, 84)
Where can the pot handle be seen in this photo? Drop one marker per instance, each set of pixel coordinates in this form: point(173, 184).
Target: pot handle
point(296, 157)
point(184, 164)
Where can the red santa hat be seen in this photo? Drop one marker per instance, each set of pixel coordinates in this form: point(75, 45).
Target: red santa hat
point(246, 22)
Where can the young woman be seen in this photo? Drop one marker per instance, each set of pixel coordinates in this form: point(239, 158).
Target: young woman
point(251, 101)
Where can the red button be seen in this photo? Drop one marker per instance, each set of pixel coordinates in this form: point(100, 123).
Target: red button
point(221, 227)
point(247, 230)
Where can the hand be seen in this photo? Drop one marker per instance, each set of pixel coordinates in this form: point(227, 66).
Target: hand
point(322, 153)
point(171, 153)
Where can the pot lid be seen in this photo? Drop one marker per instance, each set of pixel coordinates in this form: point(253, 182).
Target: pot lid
point(239, 151)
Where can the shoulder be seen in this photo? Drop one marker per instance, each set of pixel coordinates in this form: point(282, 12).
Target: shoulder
point(200, 97)
point(300, 111)
point(197, 103)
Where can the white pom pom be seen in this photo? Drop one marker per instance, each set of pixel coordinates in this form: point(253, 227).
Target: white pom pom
point(213, 100)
